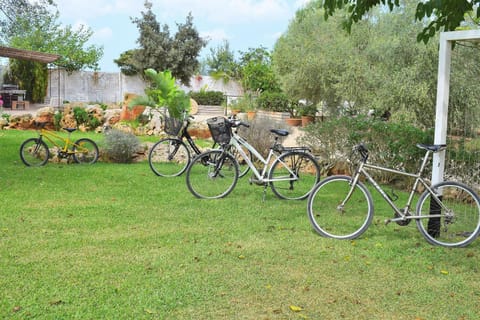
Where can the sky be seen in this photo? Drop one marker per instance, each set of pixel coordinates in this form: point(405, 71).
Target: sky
point(243, 23)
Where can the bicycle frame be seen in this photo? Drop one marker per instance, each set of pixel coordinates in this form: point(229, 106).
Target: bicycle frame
point(405, 213)
point(51, 136)
point(185, 135)
point(239, 142)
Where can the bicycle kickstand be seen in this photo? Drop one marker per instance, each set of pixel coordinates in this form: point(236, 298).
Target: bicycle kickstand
point(264, 192)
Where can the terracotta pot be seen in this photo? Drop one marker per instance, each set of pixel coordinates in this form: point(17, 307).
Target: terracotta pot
point(306, 120)
point(132, 114)
point(294, 122)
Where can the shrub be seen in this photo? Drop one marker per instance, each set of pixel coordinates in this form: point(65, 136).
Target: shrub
point(391, 144)
point(93, 122)
point(57, 118)
point(81, 115)
point(120, 146)
point(272, 101)
point(208, 98)
point(258, 134)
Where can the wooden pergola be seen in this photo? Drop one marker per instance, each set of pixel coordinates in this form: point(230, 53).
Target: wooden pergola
point(28, 55)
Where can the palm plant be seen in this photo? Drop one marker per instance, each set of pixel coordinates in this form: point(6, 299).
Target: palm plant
point(163, 92)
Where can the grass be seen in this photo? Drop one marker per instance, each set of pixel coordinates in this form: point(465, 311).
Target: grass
point(113, 241)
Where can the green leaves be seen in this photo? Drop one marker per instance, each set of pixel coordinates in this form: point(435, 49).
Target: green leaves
point(164, 92)
point(447, 15)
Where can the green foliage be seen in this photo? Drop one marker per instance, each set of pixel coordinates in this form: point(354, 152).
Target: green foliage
point(378, 66)
point(127, 63)
point(256, 71)
point(36, 27)
point(163, 91)
point(57, 118)
point(221, 62)
point(80, 115)
point(390, 143)
point(278, 102)
point(120, 146)
point(244, 103)
point(160, 51)
point(211, 98)
point(30, 76)
point(442, 15)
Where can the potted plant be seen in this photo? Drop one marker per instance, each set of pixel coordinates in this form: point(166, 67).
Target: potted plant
point(308, 112)
point(292, 108)
point(163, 92)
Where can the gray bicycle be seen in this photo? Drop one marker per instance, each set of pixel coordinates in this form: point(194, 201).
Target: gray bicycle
point(447, 213)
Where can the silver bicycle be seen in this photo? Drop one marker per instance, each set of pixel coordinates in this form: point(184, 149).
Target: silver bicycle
point(291, 172)
point(447, 213)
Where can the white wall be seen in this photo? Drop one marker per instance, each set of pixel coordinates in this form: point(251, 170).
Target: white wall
point(110, 88)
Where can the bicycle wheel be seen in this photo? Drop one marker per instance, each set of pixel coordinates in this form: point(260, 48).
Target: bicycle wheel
point(243, 167)
point(169, 157)
point(34, 152)
point(295, 173)
point(459, 223)
point(332, 220)
point(212, 174)
point(85, 151)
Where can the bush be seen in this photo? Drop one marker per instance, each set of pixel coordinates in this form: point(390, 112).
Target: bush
point(81, 115)
point(391, 144)
point(208, 98)
point(120, 146)
point(258, 134)
point(272, 101)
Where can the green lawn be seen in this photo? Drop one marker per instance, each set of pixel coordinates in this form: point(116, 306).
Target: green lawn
point(114, 241)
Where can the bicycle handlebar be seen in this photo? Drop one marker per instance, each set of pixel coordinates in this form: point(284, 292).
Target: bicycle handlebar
point(234, 122)
point(362, 149)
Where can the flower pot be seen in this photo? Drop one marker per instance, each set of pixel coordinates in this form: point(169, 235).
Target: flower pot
point(306, 120)
point(294, 122)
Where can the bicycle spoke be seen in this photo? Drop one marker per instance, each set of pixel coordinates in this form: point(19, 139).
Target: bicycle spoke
point(459, 210)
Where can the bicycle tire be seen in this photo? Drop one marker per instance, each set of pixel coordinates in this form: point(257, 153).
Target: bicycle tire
point(212, 174)
point(457, 231)
point(88, 154)
point(34, 152)
point(169, 157)
point(305, 167)
point(329, 219)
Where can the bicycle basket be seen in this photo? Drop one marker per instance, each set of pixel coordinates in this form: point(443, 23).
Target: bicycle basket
point(220, 129)
point(172, 126)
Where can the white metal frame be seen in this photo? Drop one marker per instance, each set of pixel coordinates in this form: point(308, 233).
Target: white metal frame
point(443, 91)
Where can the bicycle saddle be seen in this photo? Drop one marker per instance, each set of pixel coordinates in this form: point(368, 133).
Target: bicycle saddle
point(69, 129)
point(432, 147)
point(280, 132)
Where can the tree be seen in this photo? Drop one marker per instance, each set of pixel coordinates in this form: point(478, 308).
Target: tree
point(441, 14)
point(37, 29)
point(256, 70)
point(378, 66)
point(221, 63)
point(160, 51)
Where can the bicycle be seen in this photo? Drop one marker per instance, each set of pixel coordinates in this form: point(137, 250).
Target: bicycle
point(35, 151)
point(170, 156)
point(447, 213)
point(291, 172)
